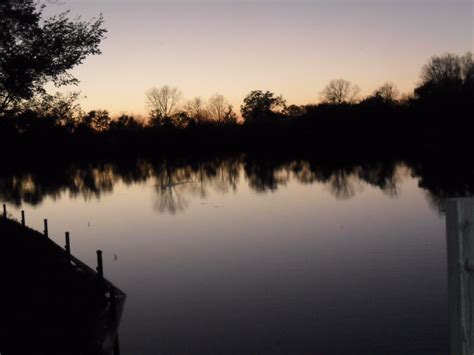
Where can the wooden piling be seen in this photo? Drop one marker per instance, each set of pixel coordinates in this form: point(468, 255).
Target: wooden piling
point(100, 268)
point(4, 210)
point(68, 245)
point(46, 228)
point(117, 346)
point(23, 222)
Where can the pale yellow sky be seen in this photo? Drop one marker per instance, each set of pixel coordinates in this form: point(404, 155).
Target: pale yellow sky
point(291, 48)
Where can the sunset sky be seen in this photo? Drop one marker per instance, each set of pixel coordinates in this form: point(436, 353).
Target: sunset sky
point(292, 48)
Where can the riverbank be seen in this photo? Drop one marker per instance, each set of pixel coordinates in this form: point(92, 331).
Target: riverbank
point(50, 301)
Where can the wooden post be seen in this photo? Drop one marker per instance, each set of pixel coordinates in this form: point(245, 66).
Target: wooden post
point(23, 223)
point(100, 268)
point(68, 245)
point(117, 346)
point(460, 248)
point(4, 211)
point(46, 228)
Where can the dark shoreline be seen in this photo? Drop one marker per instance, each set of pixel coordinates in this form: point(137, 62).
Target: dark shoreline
point(443, 173)
point(51, 298)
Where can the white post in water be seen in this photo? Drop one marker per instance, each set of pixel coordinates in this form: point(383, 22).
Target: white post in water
point(460, 240)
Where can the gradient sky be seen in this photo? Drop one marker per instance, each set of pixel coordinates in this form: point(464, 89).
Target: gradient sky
point(292, 48)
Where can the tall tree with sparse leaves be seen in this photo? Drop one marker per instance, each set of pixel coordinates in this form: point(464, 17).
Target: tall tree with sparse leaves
point(36, 49)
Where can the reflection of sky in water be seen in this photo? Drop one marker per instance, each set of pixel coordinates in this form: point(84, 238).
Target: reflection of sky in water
point(235, 268)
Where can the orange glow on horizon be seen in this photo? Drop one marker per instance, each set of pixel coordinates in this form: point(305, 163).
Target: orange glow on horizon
point(293, 49)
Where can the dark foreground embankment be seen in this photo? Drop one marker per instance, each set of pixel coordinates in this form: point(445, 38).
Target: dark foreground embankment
point(50, 303)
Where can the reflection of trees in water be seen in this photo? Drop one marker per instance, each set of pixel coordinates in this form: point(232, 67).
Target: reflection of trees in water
point(88, 181)
point(448, 176)
point(385, 176)
point(20, 187)
point(344, 184)
point(176, 181)
point(92, 182)
point(168, 183)
point(437, 203)
point(264, 175)
point(170, 199)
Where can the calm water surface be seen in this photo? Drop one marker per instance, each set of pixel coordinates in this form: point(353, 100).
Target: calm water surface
point(242, 259)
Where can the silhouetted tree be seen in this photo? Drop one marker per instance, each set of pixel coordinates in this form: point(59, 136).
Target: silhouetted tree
point(196, 110)
point(467, 68)
point(445, 97)
point(294, 111)
point(181, 119)
point(125, 123)
point(36, 50)
point(382, 98)
point(62, 108)
point(387, 92)
point(217, 106)
point(220, 110)
point(230, 116)
point(98, 120)
point(446, 75)
point(163, 103)
point(442, 70)
point(340, 91)
point(261, 106)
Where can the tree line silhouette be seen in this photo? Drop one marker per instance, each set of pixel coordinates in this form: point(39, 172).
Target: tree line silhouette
point(177, 180)
point(438, 113)
point(38, 50)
